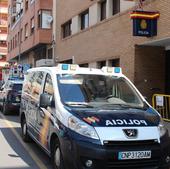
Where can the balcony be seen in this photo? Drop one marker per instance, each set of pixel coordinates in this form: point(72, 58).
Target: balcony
point(3, 23)
point(4, 10)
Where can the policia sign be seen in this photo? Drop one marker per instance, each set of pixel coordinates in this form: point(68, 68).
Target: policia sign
point(144, 23)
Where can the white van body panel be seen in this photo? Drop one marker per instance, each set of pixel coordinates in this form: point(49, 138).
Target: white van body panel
point(117, 134)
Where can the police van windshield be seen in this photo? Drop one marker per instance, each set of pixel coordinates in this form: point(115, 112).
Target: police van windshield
point(97, 90)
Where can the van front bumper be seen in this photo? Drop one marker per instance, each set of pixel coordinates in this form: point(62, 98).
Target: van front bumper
point(79, 154)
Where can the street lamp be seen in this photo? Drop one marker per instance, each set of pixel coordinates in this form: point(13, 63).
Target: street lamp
point(19, 18)
point(19, 12)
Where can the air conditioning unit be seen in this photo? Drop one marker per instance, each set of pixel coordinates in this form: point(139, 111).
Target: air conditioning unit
point(44, 62)
point(49, 19)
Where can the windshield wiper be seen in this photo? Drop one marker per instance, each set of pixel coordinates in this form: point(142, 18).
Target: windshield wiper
point(123, 105)
point(130, 106)
point(78, 104)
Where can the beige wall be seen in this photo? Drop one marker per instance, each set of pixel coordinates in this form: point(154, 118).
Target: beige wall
point(125, 5)
point(109, 39)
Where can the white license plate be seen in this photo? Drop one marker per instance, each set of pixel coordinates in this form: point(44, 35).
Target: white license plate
point(129, 155)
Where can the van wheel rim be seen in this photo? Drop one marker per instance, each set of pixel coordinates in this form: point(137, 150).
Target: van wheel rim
point(24, 128)
point(57, 157)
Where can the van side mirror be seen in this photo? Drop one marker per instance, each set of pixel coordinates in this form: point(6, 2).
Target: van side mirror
point(45, 100)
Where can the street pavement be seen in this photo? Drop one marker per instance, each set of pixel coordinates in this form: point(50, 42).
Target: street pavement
point(14, 153)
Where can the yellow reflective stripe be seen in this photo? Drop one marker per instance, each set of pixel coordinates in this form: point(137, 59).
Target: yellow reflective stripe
point(44, 129)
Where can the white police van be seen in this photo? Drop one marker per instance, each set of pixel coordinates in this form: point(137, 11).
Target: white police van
point(87, 118)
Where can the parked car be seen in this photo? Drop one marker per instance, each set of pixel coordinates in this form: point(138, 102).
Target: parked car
point(10, 96)
point(1, 83)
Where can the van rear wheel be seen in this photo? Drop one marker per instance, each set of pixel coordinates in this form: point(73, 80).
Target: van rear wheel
point(25, 135)
point(57, 158)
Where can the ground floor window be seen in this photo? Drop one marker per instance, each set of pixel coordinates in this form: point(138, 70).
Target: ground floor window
point(100, 64)
point(114, 62)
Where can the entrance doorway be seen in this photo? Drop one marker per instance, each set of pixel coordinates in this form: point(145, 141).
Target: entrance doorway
point(167, 72)
point(150, 70)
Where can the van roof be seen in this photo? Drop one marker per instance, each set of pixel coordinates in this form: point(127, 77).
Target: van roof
point(75, 69)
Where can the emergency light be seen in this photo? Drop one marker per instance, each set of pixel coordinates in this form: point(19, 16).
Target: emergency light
point(69, 67)
point(64, 66)
point(116, 70)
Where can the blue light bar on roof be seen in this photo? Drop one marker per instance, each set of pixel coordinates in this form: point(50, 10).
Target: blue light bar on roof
point(65, 66)
point(117, 70)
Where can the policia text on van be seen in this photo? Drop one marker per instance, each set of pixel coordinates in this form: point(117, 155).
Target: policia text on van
point(88, 118)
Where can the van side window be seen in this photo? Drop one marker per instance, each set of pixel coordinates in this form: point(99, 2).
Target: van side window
point(27, 87)
point(36, 84)
point(48, 88)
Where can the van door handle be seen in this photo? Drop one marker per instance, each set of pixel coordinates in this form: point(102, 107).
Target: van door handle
point(53, 114)
point(42, 114)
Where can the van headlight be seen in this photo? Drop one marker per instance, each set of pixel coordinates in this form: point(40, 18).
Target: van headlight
point(162, 129)
point(82, 128)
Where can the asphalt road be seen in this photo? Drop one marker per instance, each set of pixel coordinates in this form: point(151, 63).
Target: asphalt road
point(14, 153)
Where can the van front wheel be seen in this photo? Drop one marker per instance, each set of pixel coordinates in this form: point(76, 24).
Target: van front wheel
point(25, 136)
point(57, 158)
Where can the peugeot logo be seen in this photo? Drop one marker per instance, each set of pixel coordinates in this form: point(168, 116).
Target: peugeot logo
point(130, 133)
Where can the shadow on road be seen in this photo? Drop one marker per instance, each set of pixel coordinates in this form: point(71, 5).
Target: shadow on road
point(18, 148)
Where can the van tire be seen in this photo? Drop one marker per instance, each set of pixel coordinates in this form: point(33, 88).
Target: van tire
point(4, 109)
point(56, 156)
point(25, 136)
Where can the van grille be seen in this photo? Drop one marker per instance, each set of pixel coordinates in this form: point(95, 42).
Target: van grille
point(130, 143)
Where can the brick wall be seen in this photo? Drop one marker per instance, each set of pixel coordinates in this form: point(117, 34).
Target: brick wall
point(112, 38)
point(150, 70)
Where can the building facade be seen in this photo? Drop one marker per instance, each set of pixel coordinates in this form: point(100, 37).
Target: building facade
point(29, 31)
point(3, 33)
point(96, 33)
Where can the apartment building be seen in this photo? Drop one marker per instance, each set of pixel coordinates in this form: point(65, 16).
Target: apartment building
point(3, 28)
point(3, 33)
point(29, 31)
point(96, 33)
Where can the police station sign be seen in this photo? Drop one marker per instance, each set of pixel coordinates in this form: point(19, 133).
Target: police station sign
point(144, 23)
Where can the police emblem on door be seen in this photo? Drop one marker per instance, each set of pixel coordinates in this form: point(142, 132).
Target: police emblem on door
point(130, 133)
